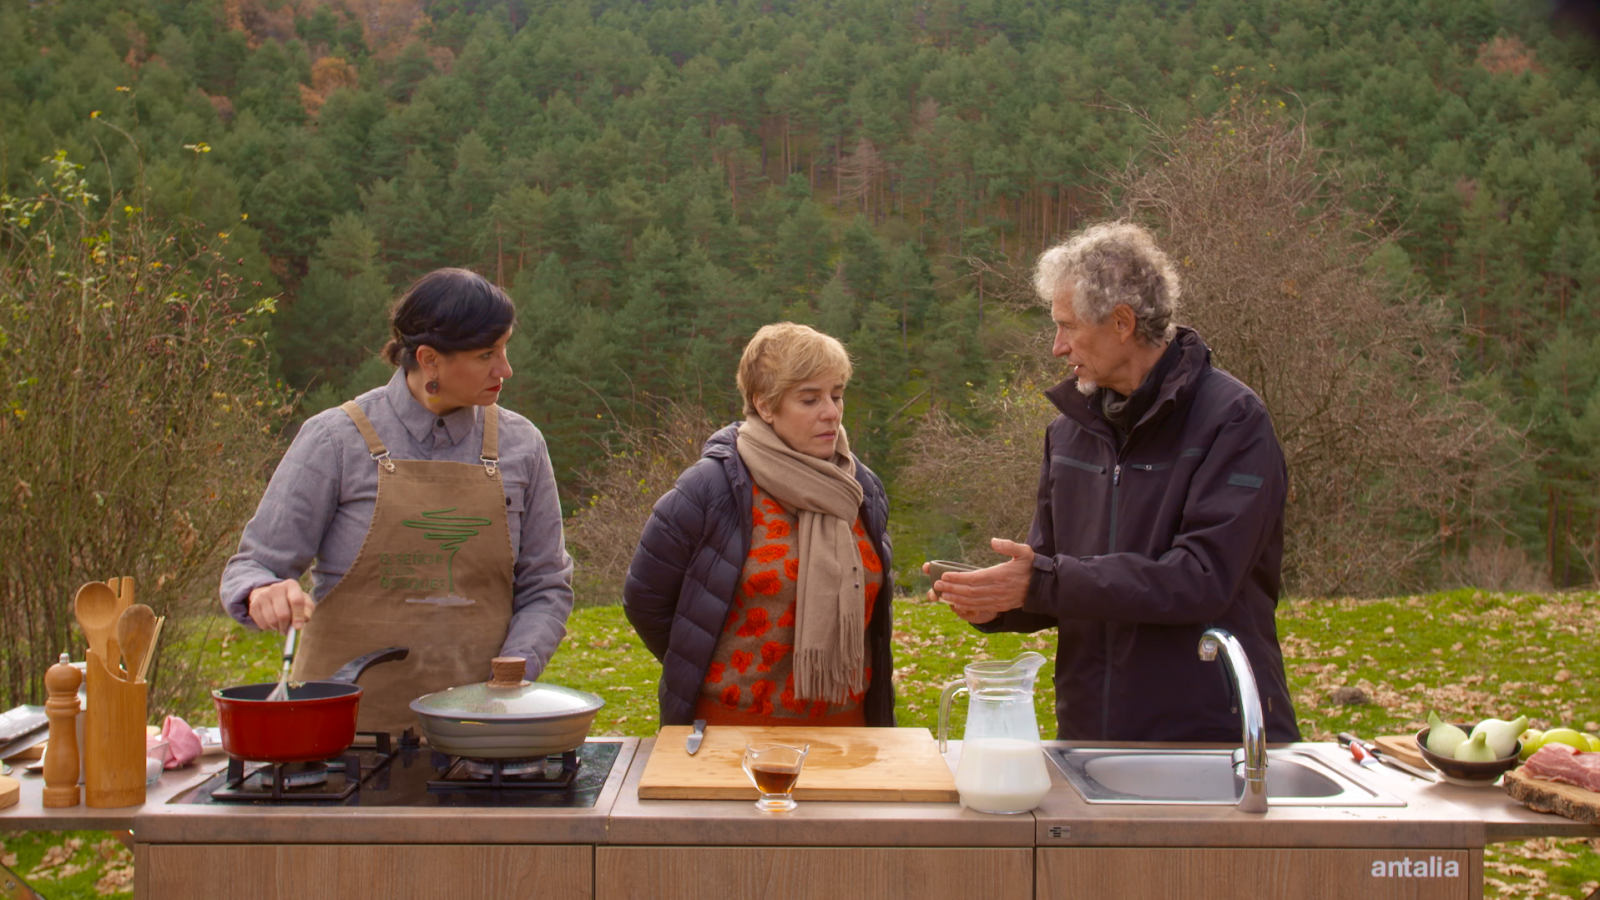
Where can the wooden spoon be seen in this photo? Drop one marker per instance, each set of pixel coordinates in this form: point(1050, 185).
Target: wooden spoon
point(136, 628)
point(96, 609)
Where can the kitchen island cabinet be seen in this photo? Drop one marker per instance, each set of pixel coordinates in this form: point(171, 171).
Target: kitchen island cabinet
point(916, 851)
point(1228, 873)
point(624, 847)
point(1429, 849)
point(390, 871)
point(336, 852)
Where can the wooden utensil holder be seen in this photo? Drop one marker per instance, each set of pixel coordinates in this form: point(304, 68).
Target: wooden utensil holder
point(113, 765)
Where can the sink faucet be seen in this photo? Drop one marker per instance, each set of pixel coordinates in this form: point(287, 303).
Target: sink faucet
point(1254, 764)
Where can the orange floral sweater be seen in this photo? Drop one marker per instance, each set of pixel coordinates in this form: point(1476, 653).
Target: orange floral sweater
point(751, 678)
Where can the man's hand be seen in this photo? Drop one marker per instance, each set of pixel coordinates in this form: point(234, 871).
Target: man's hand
point(980, 596)
point(276, 607)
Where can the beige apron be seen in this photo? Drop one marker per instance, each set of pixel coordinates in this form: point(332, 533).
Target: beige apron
point(434, 574)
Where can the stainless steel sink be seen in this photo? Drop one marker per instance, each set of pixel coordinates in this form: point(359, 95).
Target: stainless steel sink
point(1206, 777)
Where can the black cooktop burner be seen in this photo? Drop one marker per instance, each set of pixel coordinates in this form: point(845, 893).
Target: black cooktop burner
point(411, 776)
point(316, 782)
point(546, 773)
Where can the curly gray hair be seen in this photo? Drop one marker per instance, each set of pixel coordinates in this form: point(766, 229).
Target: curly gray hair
point(1109, 264)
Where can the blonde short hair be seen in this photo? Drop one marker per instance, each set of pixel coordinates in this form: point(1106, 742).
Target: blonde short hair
point(1111, 264)
point(783, 355)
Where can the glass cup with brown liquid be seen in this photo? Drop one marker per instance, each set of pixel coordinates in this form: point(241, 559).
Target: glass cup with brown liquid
point(774, 769)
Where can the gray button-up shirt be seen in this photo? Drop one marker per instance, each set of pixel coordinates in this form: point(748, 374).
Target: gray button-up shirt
point(318, 508)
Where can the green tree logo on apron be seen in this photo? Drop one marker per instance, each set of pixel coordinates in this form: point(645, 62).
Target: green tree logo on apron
point(451, 532)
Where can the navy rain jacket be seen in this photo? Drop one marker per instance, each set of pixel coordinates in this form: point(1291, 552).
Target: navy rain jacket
point(688, 565)
point(1142, 547)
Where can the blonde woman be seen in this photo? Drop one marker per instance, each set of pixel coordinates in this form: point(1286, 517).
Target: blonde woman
point(762, 579)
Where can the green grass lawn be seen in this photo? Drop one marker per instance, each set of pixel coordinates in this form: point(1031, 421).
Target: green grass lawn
point(1468, 654)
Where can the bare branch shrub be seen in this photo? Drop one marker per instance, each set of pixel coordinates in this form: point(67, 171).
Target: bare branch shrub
point(619, 491)
point(983, 479)
point(1282, 256)
point(136, 422)
point(1289, 276)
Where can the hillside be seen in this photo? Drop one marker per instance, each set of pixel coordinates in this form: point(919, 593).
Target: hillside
point(652, 181)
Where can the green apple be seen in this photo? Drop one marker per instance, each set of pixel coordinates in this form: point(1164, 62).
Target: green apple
point(1569, 736)
point(1594, 742)
point(1532, 739)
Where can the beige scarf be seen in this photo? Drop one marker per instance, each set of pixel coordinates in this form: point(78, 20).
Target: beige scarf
point(830, 602)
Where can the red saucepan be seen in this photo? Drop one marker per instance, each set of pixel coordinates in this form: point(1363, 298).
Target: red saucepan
point(316, 722)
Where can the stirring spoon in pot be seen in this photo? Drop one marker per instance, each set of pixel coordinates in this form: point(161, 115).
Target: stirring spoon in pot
point(281, 692)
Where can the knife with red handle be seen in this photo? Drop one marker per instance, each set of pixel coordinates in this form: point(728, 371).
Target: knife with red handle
point(1368, 755)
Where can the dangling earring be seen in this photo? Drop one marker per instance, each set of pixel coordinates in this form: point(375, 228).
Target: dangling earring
point(432, 387)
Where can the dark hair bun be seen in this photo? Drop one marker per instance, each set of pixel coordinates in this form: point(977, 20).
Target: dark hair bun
point(450, 310)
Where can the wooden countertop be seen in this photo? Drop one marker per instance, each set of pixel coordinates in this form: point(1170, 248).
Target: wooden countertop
point(257, 824)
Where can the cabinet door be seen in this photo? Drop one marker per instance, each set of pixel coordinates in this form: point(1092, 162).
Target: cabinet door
point(347, 871)
point(1135, 873)
point(803, 873)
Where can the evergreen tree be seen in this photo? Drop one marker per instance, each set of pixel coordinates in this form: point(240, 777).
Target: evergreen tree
point(863, 259)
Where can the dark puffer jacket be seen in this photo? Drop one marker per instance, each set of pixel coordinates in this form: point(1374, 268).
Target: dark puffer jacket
point(1144, 544)
point(687, 568)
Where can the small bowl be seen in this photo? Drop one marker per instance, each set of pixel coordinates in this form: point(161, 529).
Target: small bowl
point(1466, 774)
point(937, 568)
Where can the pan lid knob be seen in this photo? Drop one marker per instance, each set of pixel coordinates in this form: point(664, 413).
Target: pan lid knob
point(508, 671)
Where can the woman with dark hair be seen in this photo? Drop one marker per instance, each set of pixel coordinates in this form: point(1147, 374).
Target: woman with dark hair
point(761, 581)
point(426, 514)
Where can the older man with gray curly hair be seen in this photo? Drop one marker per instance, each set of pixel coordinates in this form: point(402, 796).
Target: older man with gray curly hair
point(1159, 516)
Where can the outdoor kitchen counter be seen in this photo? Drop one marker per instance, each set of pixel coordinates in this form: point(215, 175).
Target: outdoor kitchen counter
point(1505, 819)
point(812, 823)
point(30, 814)
point(692, 849)
point(257, 823)
point(1429, 849)
point(1429, 818)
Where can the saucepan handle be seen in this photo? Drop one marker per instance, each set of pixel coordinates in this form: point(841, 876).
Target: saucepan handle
point(350, 671)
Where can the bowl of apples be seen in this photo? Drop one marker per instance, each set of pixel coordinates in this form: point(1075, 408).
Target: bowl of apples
point(1475, 757)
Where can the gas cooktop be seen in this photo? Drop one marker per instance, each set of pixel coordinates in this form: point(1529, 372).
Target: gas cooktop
point(412, 776)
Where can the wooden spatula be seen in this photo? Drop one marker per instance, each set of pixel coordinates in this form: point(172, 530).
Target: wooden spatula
point(122, 586)
point(136, 628)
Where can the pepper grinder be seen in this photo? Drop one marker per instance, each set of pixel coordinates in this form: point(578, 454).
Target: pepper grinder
point(61, 754)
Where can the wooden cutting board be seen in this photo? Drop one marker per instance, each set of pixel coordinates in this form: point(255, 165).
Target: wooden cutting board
point(1402, 747)
point(844, 764)
point(1554, 797)
point(10, 789)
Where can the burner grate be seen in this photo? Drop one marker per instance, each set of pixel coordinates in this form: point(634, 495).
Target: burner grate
point(326, 782)
point(464, 774)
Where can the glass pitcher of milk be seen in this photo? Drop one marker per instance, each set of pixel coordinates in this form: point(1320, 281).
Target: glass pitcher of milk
point(1002, 768)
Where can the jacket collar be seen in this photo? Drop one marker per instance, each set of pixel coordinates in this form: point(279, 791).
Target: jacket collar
point(1194, 358)
point(419, 421)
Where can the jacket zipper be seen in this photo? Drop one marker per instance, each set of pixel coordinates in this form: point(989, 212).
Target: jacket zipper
point(1105, 692)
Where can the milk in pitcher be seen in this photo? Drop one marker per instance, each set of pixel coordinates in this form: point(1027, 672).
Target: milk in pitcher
point(1001, 775)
